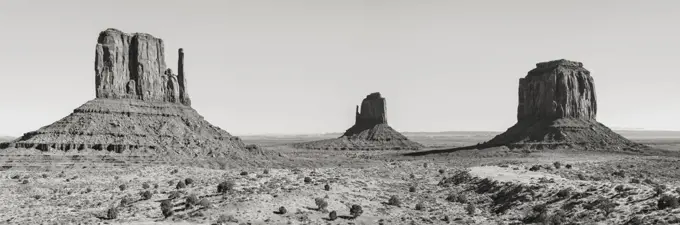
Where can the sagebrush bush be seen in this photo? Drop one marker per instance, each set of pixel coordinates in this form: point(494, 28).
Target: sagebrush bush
point(471, 209)
point(564, 193)
point(166, 208)
point(146, 195)
point(145, 185)
point(112, 213)
point(333, 216)
point(244, 173)
point(266, 171)
point(205, 203)
point(174, 195)
point(395, 201)
point(308, 180)
point(225, 186)
point(568, 166)
point(659, 189)
point(224, 219)
point(419, 206)
point(356, 211)
point(155, 186)
point(283, 210)
point(188, 181)
point(44, 175)
point(635, 181)
point(191, 200)
point(122, 187)
point(557, 165)
point(667, 201)
point(180, 185)
point(442, 171)
point(457, 198)
point(321, 204)
point(125, 201)
point(412, 189)
point(620, 188)
point(25, 182)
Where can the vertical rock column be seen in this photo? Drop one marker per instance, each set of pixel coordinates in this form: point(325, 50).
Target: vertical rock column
point(181, 77)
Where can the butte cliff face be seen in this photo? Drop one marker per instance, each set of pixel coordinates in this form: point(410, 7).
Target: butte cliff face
point(141, 108)
point(132, 66)
point(370, 131)
point(557, 108)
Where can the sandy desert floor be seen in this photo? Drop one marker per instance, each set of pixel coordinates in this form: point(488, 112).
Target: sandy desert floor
point(493, 186)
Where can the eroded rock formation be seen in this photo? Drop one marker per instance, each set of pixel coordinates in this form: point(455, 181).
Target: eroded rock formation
point(132, 66)
point(370, 131)
point(557, 108)
point(141, 108)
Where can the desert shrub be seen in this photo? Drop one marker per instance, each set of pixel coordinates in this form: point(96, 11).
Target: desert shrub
point(174, 171)
point(356, 211)
point(180, 185)
point(412, 189)
point(112, 213)
point(225, 186)
point(224, 219)
point(442, 171)
point(115, 177)
point(649, 181)
point(470, 209)
point(266, 171)
point(166, 208)
point(538, 214)
point(535, 168)
point(457, 198)
point(327, 187)
point(425, 165)
point(308, 180)
point(88, 190)
point(283, 210)
point(122, 187)
point(601, 203)
point(205, 203)
point(145, 185)
point(146, 195)
point(635, 181)
point(620, 188)
point(333, 216)
point(619, 173)
point(188, 181)
point(44, 175)
point(659, 189)
point(25, 182)
point(155, 186)
point(174, 195)
point(636, 220)
point(667, 201)
point(557, 165)
point(170, 183)
point(456, 179)
point(191, 200)
point(568, 166)
point(447, 219)
point(321, 204)
point(412, 176)
point(16, 177)
point(394, 200)
point(125, 201)
point(581, 176)
point(564, 193)
point(419, 206)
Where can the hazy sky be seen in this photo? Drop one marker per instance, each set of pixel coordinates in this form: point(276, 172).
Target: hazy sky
point(296, 66)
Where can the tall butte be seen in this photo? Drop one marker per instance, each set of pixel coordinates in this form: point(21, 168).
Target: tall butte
point(557, 108)
point(141, 108)
point(370, 131)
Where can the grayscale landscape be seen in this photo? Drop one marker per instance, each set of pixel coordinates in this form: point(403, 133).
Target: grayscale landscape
point(339, 112)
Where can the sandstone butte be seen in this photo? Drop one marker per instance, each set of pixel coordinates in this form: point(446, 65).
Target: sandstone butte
point(141, 108)
point(557, 108)
point(370, 131)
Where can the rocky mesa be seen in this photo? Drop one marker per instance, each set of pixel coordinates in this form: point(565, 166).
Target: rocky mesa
point(557, 108)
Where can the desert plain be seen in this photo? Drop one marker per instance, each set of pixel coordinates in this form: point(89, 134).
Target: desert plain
point(441, 184)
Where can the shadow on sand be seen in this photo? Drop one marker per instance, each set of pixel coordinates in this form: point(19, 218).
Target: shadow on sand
point(448, 150)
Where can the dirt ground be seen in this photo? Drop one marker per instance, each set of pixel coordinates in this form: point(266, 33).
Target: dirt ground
point(492, 186)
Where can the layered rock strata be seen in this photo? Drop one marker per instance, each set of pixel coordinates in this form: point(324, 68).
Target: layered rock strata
point(370, 131)
point(557, 108)
point(141, 108)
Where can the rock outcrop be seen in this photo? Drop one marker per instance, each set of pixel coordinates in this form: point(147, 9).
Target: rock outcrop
point(557, 108)
point(132, 66)
point(370, 131)
point(141, 108)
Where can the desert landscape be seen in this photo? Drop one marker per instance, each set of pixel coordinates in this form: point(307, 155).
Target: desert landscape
point(140, 154)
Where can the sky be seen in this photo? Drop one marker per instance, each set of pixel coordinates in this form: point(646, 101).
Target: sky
point(301, 66)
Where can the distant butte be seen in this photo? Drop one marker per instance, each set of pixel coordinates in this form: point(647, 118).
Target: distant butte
point(557, 108)
point(370, 131)
point(141, 108)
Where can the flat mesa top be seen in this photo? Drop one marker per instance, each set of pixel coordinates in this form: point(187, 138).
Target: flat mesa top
point(374, 95)
point(110, 31)
point(559, 62)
